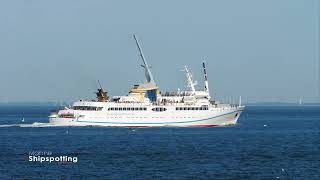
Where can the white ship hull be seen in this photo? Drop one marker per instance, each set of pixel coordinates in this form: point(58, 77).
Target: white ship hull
point(145, 106)
point(209, 118)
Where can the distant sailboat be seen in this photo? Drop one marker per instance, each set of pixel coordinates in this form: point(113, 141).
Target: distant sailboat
point(300, 101)
point(22, 120)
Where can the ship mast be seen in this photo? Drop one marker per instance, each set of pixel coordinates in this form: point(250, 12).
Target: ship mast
point(145, 65)
point(101, 94)
point(206, 83)
point(191, 83)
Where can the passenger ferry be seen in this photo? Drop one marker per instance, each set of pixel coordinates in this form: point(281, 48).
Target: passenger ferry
point(145, 106)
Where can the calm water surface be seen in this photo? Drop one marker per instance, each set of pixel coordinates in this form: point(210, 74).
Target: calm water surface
point(268, 143)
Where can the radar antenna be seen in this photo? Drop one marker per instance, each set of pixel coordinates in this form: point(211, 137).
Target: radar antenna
point(145, 65)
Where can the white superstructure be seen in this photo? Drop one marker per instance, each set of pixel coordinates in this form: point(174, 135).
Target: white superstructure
point(145, 106)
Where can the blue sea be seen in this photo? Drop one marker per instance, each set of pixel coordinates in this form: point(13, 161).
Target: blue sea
point(280, 142)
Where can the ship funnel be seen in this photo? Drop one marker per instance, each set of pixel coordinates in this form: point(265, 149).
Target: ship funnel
point(145, 65)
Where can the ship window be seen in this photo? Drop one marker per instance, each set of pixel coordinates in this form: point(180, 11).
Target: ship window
point(66, 116)
point(136, 109)
point(193, 108)
point(87, 108)
point(205, 107)
point(159, 109)
point(120, 109)
point(145, 108)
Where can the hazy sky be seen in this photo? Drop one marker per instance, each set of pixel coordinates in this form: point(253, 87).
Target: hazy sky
point(264, 50)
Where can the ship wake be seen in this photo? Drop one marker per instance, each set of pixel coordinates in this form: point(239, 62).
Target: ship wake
point(35, 124)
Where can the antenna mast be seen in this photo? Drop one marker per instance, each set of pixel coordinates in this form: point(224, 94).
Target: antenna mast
point(206, 83)
point(99, 84)
point(148, 73)
point(191, 83)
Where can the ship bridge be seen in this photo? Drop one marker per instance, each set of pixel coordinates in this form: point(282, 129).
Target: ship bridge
point(148, 90)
